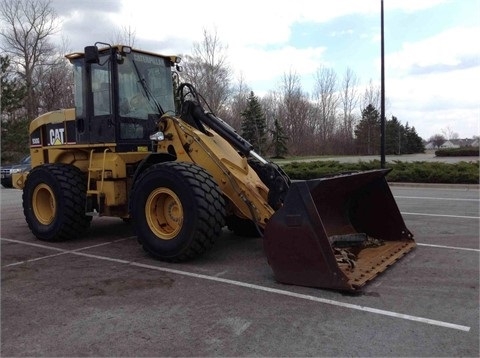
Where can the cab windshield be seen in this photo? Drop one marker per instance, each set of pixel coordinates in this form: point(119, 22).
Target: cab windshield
point(145, 86)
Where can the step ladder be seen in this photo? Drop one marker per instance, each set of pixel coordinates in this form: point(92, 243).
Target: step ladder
point(95, 197)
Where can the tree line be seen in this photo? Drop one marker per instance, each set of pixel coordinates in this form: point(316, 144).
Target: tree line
point(336, 118)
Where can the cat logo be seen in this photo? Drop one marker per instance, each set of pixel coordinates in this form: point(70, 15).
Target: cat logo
point(56, 136)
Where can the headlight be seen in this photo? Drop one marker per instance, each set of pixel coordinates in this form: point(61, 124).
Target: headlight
point(16, 170)
point(157, 137)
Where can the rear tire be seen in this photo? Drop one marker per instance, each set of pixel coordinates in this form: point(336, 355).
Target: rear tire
point(54, 202)
point(178, 211)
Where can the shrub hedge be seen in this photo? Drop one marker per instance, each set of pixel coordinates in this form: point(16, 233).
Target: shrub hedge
point(458, 152)
point(410, 172)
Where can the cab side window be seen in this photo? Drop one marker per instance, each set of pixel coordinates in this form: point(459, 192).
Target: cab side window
point(102, 96)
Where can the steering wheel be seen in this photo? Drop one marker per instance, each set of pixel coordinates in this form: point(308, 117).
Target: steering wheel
point(137, 102)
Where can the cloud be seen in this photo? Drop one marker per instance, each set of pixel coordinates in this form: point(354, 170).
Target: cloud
point(264, 65)
point(432, 83)
point(67, 8)
point(251, 23)
point(433, 101)
point(84, 22)
point(451, 49)
point(248, 23)
point(465, 62)
point(409, 6)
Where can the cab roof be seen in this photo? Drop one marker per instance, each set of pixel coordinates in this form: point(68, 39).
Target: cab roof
point(124, 48)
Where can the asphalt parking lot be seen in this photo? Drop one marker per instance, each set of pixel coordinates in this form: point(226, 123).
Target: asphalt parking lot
point(103, 296)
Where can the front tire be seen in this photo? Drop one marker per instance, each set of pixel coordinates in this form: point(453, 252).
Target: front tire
point(178, 211)
point(54, 202)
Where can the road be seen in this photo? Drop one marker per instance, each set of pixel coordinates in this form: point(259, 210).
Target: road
point(103, 296)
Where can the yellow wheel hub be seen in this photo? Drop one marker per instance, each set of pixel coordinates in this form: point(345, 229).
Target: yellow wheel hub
point(164, 213)
point(44, 204)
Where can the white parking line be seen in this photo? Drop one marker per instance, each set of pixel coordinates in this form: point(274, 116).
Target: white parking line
point(431, 198)
point(62, 251)
point(449, 247)
point(443, 216)
point(260, 288)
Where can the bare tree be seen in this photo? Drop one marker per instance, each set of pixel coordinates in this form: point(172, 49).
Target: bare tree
point(209, 72)
point(56, 88)
point(237, 104)
point(449, 133)
point(371, 96)
point(293, 114)
point(27, 26)
point(437, 140)
point(125, 35)
point(326, 101)
point(270, 104)
point(349, 101)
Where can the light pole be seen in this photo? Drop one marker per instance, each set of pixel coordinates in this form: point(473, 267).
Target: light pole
point(382, 92)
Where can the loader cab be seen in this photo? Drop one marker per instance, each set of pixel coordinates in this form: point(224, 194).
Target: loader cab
point(120, 93)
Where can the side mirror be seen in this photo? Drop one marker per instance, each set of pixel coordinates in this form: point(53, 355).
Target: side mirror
point(91, 54)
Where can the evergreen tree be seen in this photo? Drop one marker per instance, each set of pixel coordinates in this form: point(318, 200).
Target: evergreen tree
point(415, 142)
point(394, 133)
point(15, 139)
point(402, 139)
point(367, 132)
point(13, 93)
point(254, 124)
point(14, 123)
point(279, 140)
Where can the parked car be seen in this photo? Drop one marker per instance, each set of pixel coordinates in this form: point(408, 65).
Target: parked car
point(7, 171)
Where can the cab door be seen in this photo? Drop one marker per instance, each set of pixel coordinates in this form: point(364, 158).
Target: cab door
point(94, 101)
point(102, 121)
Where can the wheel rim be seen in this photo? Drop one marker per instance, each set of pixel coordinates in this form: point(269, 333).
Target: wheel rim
point(44, 205)
point(164, 213)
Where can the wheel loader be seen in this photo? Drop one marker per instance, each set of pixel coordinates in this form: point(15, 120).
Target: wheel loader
point(139, 145)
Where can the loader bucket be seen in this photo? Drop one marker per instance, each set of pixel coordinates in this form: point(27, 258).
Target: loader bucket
point(338, 232)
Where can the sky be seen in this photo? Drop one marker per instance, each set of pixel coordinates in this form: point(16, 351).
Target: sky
point(432, 47)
